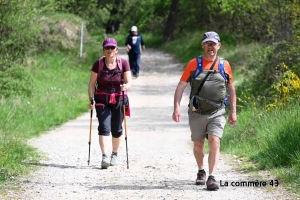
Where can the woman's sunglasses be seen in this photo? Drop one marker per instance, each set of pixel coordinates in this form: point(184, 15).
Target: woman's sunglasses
point(111, 48)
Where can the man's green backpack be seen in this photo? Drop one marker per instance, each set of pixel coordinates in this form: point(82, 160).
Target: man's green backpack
point(209, 88)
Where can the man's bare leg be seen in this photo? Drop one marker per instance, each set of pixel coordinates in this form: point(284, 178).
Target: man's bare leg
point(214, 153)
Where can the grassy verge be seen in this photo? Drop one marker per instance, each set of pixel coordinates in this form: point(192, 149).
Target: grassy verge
point(59, 94)
point(269, 140)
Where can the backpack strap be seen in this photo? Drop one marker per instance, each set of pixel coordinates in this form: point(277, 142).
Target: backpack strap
point(101, 66)
point(222, 70)
point(199, 67)
point(120, 62)
point(202, 83)
point(224, 75)
point(197, 72)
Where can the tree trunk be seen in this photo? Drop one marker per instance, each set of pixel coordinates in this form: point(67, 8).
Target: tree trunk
point(171, 21)
point(113, 24)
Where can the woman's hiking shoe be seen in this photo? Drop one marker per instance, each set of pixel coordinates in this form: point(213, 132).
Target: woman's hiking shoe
point(211, 183)
point(105, 162)
point(201, 177)
point(113, 160)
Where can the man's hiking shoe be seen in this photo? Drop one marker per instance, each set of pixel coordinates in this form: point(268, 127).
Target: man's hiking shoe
point(105, 162)
point(211, 183)
point(201, 177)
point(113, 160)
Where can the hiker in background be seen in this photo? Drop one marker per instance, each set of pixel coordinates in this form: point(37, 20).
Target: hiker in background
point(207, 104)
point(134, 44)
point(106, 77)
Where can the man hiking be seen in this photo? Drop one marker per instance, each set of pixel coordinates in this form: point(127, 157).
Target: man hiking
point(134, 45)
point(211, 78)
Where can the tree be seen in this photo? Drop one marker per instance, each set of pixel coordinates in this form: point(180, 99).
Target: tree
point(171, 21)
point(114, 21)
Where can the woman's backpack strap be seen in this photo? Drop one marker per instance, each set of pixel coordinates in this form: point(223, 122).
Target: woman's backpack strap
point(101, 65)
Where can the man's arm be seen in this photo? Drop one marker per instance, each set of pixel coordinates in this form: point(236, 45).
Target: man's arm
point(177, 99)
point(232, 101)
point(127, 45)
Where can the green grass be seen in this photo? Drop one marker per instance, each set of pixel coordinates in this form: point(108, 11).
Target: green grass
point(59, 93)
point(270, 140)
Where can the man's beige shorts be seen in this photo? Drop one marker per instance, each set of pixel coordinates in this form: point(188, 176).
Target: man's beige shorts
point(201, 125)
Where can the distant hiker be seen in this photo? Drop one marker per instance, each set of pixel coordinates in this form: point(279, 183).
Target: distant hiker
point(106, 78)
point(134, 44)
point(211, 84)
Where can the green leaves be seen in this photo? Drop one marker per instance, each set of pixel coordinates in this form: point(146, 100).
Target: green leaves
point(15, 81)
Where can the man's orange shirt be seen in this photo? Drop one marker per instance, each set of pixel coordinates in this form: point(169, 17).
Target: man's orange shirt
point(206, 64)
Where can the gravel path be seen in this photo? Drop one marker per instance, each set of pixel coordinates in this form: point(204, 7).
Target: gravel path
point(161, 162)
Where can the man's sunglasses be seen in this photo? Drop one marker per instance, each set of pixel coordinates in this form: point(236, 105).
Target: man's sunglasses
point(111, 48)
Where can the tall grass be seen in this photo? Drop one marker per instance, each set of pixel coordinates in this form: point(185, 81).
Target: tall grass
point(270, 139)
point(59, 94)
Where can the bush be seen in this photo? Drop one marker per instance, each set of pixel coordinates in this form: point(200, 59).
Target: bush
point(16, 81)
point(17, 30)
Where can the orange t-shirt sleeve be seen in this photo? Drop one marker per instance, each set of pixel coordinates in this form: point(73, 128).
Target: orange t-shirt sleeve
point(228, 71)
point(189, 69)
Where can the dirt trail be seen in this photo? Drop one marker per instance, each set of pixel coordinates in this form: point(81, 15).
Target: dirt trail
point(161, 159)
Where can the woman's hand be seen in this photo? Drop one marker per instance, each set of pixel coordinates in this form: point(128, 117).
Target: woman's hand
point(92, 104)
point(124, 87)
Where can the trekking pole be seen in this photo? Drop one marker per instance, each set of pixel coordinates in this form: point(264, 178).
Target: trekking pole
point(122, 82)
point(92, 102)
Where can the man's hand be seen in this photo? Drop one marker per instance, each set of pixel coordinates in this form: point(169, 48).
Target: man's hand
point(232, 118)
point(176, 116)
point(128, 47)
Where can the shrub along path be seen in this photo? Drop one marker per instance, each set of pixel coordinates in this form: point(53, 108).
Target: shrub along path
point(161, 162)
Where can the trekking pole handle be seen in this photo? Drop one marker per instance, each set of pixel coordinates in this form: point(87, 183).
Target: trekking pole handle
point(92, 100)
point(122, 83)
point(92, 103)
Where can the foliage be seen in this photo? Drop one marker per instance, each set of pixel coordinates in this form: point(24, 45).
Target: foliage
point(286, 90)
point(281, 154)
point(60, 32)
point(258, 20)
point(269, 66)
point(16, 16)
point(16, 81)
point(261, 20)
point(48, 89)
point(274, 134)
point(59, 94)
point(13, 150)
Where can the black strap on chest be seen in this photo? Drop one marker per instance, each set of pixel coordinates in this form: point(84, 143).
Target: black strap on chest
point(208, 73)
point(116, 71)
